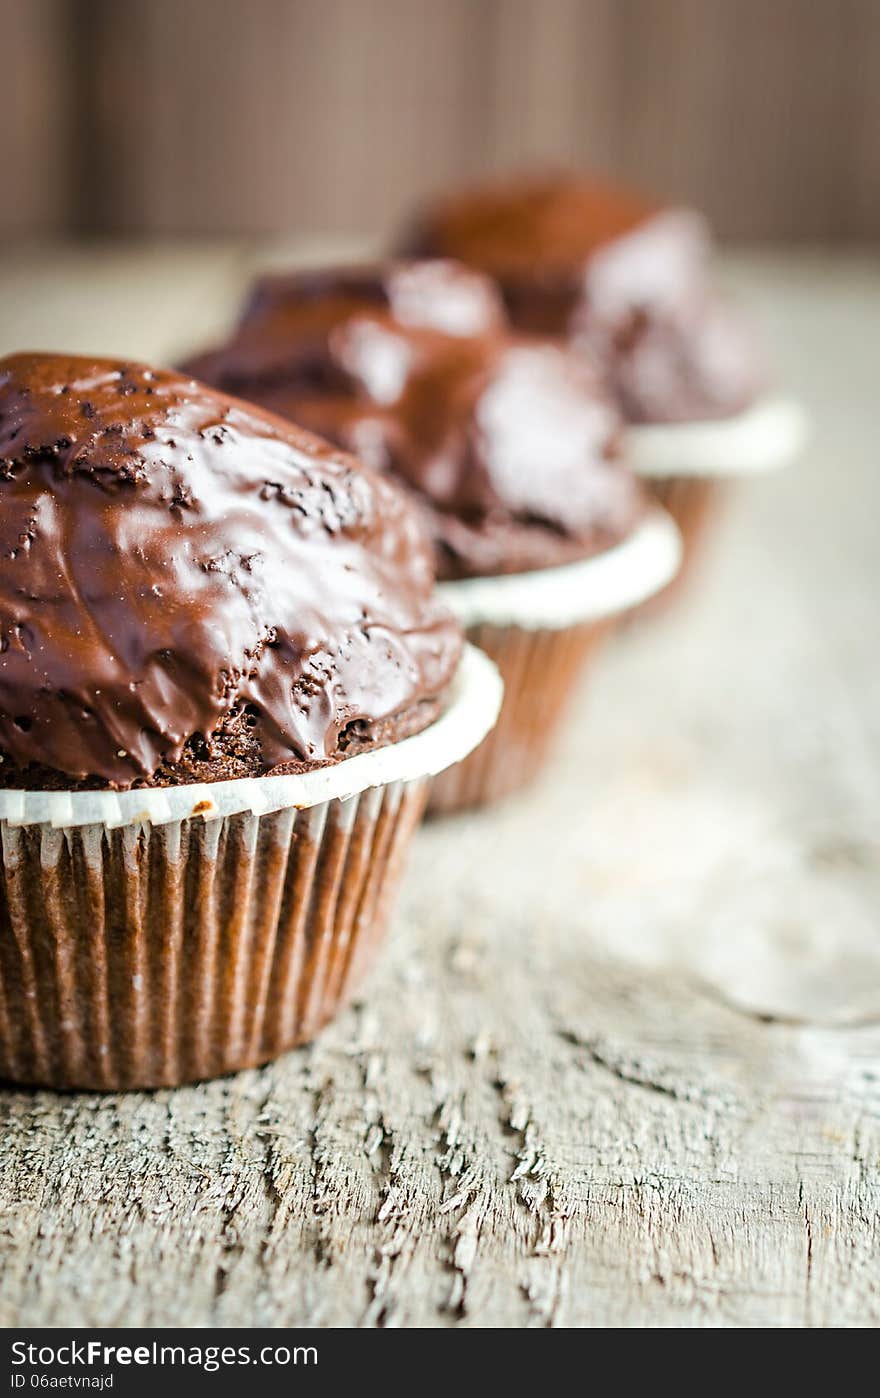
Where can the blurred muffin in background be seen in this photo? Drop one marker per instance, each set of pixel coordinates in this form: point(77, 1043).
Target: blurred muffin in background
point(509, 446)
point(631, 281)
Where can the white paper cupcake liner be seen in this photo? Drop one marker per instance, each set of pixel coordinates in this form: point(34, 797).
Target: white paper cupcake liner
point(590, 590)
point(474, 702)
point(765, 437)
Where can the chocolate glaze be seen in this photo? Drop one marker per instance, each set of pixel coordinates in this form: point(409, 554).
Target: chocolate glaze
point(617, 274)
point(177, 568)
point(508, 443)
point(437, 295)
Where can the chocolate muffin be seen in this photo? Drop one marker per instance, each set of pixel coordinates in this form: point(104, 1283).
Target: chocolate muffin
point(623, 276)
point(630, 280)
point(191, 590)
point(225, 680)
point(507, 443)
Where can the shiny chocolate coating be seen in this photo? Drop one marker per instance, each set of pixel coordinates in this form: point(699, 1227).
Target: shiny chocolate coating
point(507, 442)
point(615, 273)
point(171, 558)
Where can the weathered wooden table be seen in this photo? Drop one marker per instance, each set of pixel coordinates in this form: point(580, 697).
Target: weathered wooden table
point(621, 1062)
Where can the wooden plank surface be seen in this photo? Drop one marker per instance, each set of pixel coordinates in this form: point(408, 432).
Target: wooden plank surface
point(621, 1061)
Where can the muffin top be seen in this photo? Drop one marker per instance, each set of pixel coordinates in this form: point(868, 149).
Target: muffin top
point(618, 274)
point(506, 442)
point(191, 589)
point(435, 295)
point(529, 228)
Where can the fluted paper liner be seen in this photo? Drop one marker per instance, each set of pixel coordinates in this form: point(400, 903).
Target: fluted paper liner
point(154, 953)
point(692, 501)
point(541, 629)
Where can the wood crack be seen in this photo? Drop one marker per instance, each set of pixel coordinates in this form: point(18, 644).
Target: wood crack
point(538, 1191)
point(635, 1072)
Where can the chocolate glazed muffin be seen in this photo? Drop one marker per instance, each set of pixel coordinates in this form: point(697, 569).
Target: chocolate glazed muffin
point(630, 281)
point(192, 591)
point(608, 269)
point(507, 443)
point(414, 368)
point(204, 611)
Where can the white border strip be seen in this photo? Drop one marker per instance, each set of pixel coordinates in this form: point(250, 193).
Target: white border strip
point(588, 590)
point(763, 438)
point(474, 704)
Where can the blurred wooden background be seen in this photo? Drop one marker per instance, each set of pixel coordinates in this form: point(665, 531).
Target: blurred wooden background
point(256, 116)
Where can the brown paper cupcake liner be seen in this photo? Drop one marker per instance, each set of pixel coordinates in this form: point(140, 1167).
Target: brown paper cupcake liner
point(540, 670)
point(693, 502)
point(149, 956)
point(541, 629)
point(159, 936)
point(689, 465)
